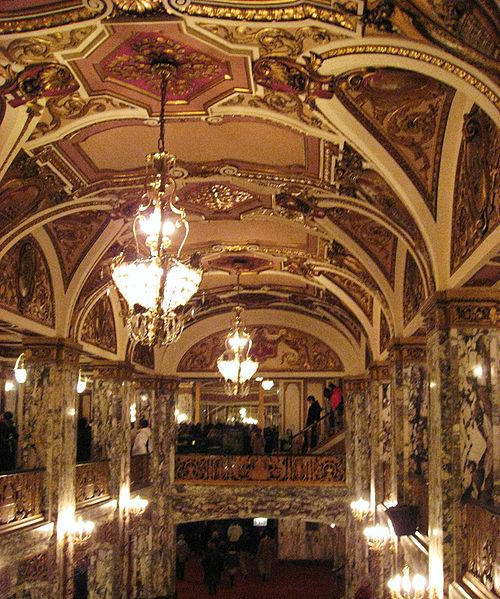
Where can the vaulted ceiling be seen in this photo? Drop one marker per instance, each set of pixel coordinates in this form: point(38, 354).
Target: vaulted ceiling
point(342, 156)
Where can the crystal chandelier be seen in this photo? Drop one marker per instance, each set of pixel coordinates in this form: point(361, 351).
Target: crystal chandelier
point(377, 536)
point(234, 364)
point(406, 587)
point(157, 286)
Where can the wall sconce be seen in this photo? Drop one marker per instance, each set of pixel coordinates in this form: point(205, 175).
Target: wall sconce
point(267, 384)
point(136, 505)
point(360, 509)
point(377, 536)
point(81, 529)
point(19, 369)
point(81, 385)
point(406, 587)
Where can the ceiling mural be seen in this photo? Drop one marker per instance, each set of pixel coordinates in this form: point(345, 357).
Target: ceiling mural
point(407, 112)
point(73, 236)
point(275, 348)
point(414, 294)
point(99, 327)
point(378, 242)
point(476, 210)
point(143, 355)
point(25, 283)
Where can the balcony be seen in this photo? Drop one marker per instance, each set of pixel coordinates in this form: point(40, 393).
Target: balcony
point(282, 470)
point(21, 499)
point(92, 483)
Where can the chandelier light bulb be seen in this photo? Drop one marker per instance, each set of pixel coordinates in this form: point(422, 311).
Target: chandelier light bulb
point(20, 371)
point(406, 587)
point(9, 386)
point(267, 384)
point(377, 536)
point(81, 385)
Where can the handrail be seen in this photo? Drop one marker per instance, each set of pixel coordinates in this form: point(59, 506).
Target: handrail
point(306, 428)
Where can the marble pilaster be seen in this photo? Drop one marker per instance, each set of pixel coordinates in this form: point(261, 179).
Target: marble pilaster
point(162, 477)
point(358, 469)
point(113, 393)
point(462, 356)
point(49, 441)
point(409, 418)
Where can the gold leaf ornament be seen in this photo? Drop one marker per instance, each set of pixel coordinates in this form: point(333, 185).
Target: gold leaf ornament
point(137, 6)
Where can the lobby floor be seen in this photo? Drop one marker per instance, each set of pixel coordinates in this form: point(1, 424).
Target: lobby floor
point(290, 580)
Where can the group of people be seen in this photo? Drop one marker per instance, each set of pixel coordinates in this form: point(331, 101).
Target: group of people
point(229, 555)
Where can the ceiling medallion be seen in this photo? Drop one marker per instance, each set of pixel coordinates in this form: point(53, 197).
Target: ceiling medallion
point(156, 285)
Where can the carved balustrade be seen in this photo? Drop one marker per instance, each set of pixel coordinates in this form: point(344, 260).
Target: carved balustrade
point(481, 525)
point(261, 469)
point(139, 471)
point(20, 498)
point(92, 482)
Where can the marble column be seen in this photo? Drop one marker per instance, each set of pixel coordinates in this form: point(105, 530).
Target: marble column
point(357, 414)
point(409, 421)
point(462, 357)
point(197, 402)
point(113, 392)
point(162, 478)
point(380, 564)
point(49, 441)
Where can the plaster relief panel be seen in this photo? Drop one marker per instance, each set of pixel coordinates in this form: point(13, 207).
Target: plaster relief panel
point(99, 327)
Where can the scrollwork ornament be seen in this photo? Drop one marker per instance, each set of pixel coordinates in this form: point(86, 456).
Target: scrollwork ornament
point(137, 6)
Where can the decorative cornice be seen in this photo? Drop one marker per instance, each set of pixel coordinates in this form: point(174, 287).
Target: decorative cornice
point(380, 371)
point(41, 350)
point(408, 350)
point(462, 308)
point(113, 371)
point(412, 54)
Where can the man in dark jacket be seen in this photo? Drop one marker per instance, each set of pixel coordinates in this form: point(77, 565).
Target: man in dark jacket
point(313, 416)
point(8, 442)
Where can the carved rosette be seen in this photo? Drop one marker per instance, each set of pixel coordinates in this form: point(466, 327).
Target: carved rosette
point(476, 209)
point(25, 285)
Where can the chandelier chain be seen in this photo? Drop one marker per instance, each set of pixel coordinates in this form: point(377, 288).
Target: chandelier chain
point(163, 100)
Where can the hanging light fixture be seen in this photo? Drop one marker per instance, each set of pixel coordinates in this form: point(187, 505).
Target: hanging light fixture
point(20, 371)
point(267, 384)
point(234, 364)
point(406, 587)
point(157, 286)
point(81, 385)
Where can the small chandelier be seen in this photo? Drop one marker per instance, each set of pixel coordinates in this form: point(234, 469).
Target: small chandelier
point(234, 364)
point(377, 536)
point(360, 509)
point(406, 587)
point(157, 287)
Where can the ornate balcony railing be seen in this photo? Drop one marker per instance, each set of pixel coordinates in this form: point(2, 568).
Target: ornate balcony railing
point(139, 471)
point(261, 469)
point(92, 482)
point(20, 498)
point(482, 548)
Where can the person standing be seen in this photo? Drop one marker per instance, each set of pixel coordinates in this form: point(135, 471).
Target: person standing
point(245, 546)
point(142, 442)
point(232, 562)
point(313, 416)
point(8, 442)
point(234, 532)
point(336, 405)
point(213, 564)
point(266, 553)
point(182, 552)
point(83, 440)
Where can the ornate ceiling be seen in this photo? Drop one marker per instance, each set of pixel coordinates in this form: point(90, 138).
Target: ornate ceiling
point(342, 156)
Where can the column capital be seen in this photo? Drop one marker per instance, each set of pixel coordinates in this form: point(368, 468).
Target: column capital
point(380, 371)
point(56, 349)
point(462, 308)
point(408, 350)
point(115, 371)
point(356, 384)
point(167, 384)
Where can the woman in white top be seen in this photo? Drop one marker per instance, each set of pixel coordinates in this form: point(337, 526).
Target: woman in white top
point(142, 441)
